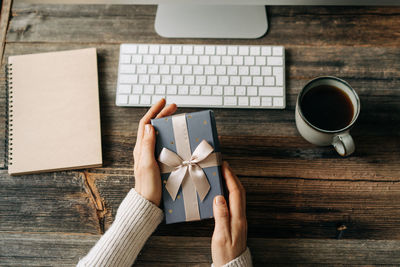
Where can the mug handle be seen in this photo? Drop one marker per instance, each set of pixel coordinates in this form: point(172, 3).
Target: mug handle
point(344, 144)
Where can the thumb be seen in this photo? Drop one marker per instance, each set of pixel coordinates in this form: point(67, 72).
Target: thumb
point(221, 216)
point(148, 144)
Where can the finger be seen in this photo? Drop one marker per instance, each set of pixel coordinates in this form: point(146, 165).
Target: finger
point(221, 217)
point(147, 158)
point(237, 196)
point(167, 111)
point(151, 113)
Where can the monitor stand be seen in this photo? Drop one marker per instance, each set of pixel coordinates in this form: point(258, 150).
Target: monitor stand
point(211, 21)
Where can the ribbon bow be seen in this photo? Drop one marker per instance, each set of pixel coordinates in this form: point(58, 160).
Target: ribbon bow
point(191, 168)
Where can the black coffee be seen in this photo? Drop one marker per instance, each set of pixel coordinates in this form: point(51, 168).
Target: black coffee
point(327, 107)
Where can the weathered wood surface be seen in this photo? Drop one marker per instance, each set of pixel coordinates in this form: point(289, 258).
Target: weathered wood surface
point(294, 189)
point(50, 248)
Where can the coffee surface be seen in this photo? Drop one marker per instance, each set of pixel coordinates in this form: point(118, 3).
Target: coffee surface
point(327, 107)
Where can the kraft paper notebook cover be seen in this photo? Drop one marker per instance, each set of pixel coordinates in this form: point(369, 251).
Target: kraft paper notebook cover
point(54, 116)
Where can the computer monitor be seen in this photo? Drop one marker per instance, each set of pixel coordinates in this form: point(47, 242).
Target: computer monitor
point(244, 19)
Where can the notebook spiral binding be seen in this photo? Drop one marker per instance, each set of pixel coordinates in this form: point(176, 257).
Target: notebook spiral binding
point(9, 116)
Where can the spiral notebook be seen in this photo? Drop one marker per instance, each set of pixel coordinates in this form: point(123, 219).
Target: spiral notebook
point(53, 111)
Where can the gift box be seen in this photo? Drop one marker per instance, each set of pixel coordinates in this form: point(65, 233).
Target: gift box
point(188, 154)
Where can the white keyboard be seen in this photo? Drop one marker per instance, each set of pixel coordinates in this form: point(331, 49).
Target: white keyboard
point(218, 76)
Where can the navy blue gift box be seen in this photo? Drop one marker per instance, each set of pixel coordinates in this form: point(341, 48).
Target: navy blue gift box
point(200, 127)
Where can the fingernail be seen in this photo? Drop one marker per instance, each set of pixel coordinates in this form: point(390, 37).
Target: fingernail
point(147, 128)
point(219, 200)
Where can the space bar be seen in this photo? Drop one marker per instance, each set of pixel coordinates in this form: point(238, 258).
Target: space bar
point(195, 101)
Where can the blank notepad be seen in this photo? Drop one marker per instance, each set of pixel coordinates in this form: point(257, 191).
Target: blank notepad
point(54, 117)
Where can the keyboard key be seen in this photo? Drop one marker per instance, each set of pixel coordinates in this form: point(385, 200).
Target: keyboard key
point(243, 51)
point(223, 80)
point(212, 80)
point(204, 60)
point(176, 50)
point(164, 69)
point(127, 68)
point(193, 60)
point(277, 51)
point(275, 61)
point(159, 59)
point(182, 60)
point(198, 50)
point(235, 80)
point(183, 90)
point(160, 89)
point(143, 49)
point(144, 79)
point(206, 90)
point(187, 70)
point(170, 60)
point(201, 80)
point(125, 59)
point(133, 99)
point(136, 59)
point(266, 51)
point(198, 70)
point(210, 50)
point(153, 69)
point(232, 70)
point(141, 69)
point(122, 99)
point(156, 98)
point(255, 51)
point(149, 89)
point(229, 90)
point(232, 50)
point(148, 59)
point(145, 99)
point(187, 50)
point(215, 60)
point(198, 101)
point(249, 61)
point(137, 89)
point(243, 101)
point(221, 50)
point(154, 49)
point(254, 101)
point(209, 70)
point(246, 80)
point(237, 60)
point(243, 70)
point(172, 89)
point(240, 90)
point(226, 60)
point(155, 79)
point(266, 101)
point(269, 81)
point(165, 49)
point(230, 100)
point(128, 78)
point(261, 61)
point(220, 70)
point(271, 91)
point(258, 80)
point(217, 90)
point(177, 79)
point(194, 90)
point(252, 90)
point(255, 70)
point(266, 71)
point(278, 101)
point(176, 69)
point(166, 79)
point(124, 88)
point(189, 80)
point(128, 49)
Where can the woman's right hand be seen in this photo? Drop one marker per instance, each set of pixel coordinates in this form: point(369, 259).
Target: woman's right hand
point(230, 233)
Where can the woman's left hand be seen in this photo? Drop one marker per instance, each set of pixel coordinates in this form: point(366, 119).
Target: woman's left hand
point(147, 173)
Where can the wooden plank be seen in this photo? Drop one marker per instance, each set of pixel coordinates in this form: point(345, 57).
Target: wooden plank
point(64, 249)
point(310, 26)
point(277, 207)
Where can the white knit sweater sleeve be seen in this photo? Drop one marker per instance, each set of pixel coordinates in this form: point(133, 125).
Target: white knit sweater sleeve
point(135, 221)
point(243, 260)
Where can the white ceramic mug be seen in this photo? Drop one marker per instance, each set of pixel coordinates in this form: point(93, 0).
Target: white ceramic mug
point(340, 139)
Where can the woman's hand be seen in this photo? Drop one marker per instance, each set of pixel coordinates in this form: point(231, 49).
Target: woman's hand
point(230, 233)
point(147, 173)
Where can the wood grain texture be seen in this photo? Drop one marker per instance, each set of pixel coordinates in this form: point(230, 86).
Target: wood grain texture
point(297, 194)
point(50, 250)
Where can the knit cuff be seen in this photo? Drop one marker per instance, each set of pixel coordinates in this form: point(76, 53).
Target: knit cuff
point(135, 221)
point(243, 260)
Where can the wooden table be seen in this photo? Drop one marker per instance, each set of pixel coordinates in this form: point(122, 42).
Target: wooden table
point(298, 195)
